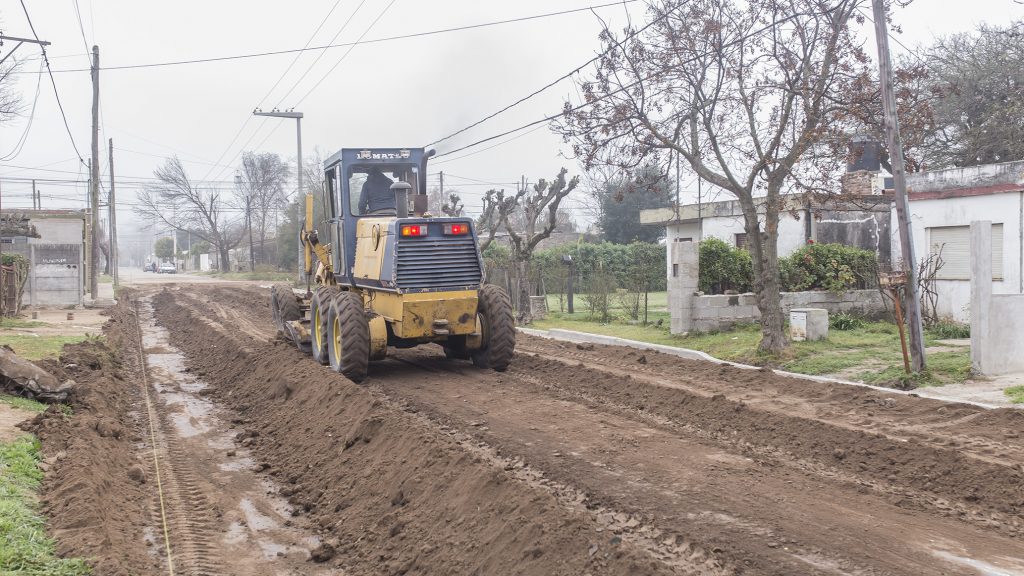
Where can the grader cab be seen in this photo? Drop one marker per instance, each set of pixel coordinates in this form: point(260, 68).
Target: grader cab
point(386, 272)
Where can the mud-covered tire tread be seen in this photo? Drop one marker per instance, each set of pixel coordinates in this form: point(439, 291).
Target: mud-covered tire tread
point(321, 299)
point(355, 336)
point(496, 310)
point(288, 305)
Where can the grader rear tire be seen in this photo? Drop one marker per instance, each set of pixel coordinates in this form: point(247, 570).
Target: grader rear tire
point(349, 341)
point(319, 324)
point(499, 329)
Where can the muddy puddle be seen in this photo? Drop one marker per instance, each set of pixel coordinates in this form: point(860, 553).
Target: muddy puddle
point(255, 529)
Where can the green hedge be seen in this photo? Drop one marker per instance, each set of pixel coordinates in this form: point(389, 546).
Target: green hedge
point(833, 267)
point(723, 267)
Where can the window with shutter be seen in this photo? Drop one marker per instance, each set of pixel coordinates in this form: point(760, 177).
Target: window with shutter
point(954, 245)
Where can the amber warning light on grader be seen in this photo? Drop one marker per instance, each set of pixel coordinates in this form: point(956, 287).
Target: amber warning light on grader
point(414, 230)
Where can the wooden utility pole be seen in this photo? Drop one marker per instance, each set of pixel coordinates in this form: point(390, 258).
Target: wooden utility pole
point(248, 220)
point(912, 301)
point(112, 218)
point(94, 184)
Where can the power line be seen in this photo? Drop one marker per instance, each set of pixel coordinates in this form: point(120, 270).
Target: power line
point(318, 56)
point(621, 89)
point(371, 41)
point(28, 125)
point(552, 83)
point(287, 69)
point(53, 82)
point(347, 52)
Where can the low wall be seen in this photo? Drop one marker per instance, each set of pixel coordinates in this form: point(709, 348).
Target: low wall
point(721, 312)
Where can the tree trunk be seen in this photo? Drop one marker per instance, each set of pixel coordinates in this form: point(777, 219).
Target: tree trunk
point(764, 255)
point(523, 289)
point(225, 262)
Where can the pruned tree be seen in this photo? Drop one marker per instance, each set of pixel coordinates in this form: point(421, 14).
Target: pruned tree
point(175, 201)
point(163, 248)
point(539, 205)
point(260, 186)
point(453, 205)
point(745, 93)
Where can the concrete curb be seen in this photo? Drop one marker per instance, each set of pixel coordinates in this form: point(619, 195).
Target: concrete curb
point(579, 337)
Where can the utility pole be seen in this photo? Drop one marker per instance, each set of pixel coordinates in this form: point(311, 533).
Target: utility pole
point(112, 218)
point(442, 186)
point(248, 222)
point(299, 169)
point(35, 204)
point(94, 185)
point(911, 300)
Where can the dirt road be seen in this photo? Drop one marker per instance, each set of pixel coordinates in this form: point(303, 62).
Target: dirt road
point(576, 460)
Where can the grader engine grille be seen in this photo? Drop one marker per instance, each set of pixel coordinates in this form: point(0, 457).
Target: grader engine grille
point(440, 263)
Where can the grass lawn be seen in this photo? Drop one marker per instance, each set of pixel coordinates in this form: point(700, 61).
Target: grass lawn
point(19, 323)
point(22, 403)
point(1016, 394)
point(24, 547)
point(37, 347)
point(870, 353)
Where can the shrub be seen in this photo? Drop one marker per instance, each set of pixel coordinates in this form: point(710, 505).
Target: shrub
point(844, 321)
point(723, 267)
point(949, 329)
point(832, 267)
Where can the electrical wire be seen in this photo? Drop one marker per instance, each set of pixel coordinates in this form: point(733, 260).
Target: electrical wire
point(370, 41)
point(621, 89)
point(552, 83)
point(28, 125)
point(248, 117)
point(53, 82)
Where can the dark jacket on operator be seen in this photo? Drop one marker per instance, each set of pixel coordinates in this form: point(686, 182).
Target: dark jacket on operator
point(376, 194)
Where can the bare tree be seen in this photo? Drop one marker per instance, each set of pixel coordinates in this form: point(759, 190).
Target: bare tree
point(261, 185)
point(175, 201)
point(10, 99)
point(746, 93)
point(539, 205)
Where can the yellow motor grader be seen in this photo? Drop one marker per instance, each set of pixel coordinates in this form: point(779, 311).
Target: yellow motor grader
point(389, 273)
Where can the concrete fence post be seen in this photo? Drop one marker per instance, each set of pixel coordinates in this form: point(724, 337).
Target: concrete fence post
point(682, 284)
point(981, 295)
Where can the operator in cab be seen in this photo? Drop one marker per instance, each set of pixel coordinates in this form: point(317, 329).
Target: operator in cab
point(376, 196)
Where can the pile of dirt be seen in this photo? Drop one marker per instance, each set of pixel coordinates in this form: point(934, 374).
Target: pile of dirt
point(390, 494)
point(871, 457)
point(95, 499)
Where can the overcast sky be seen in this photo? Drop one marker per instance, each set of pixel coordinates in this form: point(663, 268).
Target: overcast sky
point(402, 93)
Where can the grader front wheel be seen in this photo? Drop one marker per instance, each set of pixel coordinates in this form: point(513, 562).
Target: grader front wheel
point(348, 341)
point(284, 306)
point(319, 324)
point(498, 329)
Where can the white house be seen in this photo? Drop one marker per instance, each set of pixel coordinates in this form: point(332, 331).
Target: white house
point(943, 203)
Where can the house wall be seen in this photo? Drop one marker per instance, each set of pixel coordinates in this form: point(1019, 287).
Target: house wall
point(1002, 208)
point(58, 230)
point(720, 312)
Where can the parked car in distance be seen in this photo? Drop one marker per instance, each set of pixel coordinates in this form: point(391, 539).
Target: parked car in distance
point(149, 267)
point(167, 268)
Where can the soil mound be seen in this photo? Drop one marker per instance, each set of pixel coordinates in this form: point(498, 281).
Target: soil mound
point(96, 510)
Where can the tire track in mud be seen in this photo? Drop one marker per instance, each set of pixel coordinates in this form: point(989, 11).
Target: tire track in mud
point(190, 526)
